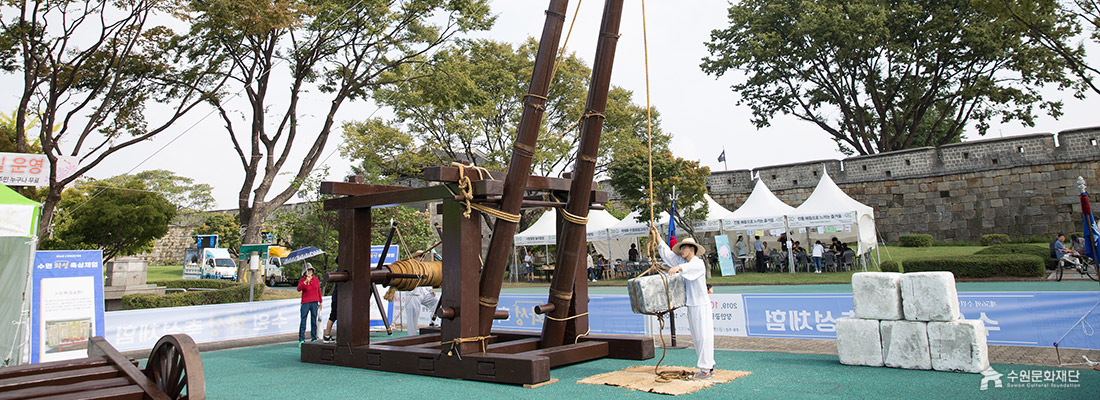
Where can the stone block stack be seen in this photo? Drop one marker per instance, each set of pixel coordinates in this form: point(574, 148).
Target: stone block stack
point(910, 321)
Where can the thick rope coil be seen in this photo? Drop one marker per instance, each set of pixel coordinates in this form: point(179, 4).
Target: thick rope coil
point(430, 273)
point(568, 216)
point(487, 302)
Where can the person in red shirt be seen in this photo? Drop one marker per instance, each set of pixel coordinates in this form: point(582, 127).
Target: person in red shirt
point(310, 287)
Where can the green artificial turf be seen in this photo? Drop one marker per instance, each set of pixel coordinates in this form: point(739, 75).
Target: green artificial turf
point(275, 372)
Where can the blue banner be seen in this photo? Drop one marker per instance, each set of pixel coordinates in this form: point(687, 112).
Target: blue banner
point(1011, 318)
point(376, 252)
point(607, 314)
point(725, 255)
point(67, 303)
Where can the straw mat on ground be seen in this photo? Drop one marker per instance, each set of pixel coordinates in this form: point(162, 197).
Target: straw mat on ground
point(642, 378)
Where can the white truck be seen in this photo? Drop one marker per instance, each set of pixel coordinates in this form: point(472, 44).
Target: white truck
point(209, 263)
point(271, 265)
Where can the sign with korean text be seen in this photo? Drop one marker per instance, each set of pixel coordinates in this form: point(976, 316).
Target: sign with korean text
point(725, 255)
point(67, 303)
point(23, 169)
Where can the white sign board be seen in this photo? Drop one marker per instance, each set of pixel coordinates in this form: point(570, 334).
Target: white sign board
point(22, 169)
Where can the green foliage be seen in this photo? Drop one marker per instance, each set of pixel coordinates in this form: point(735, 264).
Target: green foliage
point(118, 219)
point(1043, 252)
point(981, 266)
point(226, 227)
point(9, 135)
point(916, 240)
point(328, 51)
point(467, 105)
point(228, 292)
point(183, 192)
point(385, 153)
point(954, 243)
point(879, 76)
point(889, 266)
point(994, 238)
point(630, 178)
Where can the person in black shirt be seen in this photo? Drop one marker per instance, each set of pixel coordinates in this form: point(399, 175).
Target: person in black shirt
point(632, 255)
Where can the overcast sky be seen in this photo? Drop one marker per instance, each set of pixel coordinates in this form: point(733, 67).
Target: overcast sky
point(697, 109)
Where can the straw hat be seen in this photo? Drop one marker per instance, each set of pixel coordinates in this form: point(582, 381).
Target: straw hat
point(699, 249)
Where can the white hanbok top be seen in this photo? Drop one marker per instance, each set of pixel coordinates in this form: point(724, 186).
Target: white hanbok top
point(694, 273)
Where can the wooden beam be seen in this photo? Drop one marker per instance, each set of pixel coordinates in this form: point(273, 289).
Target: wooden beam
point(570, 353)
point(98, 346)
point(58, 378)
point(405, 196)
point(409, 340)
point(355, 189)
point(81, 386)
point(514, 346)
point(131, 392)
point(534, 182)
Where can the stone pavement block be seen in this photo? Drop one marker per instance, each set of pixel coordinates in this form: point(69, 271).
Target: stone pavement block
point(905, 344)
point(877, 295)
point(958, 346)
point(858, 342)
point(929, 296)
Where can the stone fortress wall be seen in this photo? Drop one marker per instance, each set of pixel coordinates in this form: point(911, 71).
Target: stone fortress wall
point(1019, 185)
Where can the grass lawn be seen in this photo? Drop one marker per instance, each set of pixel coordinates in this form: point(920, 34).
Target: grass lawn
point(164, 272)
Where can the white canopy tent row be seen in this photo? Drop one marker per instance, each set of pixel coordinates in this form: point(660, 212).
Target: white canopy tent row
point(829, 212)
point(544, 232)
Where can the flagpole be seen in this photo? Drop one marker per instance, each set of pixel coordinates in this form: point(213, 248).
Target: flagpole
point(724, 165)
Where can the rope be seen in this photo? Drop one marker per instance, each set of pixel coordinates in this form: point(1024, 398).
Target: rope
point(662, 376)
point(465, 185)
point(568, 216)
point(429, 273)
point(457, 341)
point(566, 318)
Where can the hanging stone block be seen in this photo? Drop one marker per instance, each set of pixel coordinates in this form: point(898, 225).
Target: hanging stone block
point(929, 296)
point(858, 342)
point(877, 295)
point(958, 346)
point(655, 294)
point(905, 344)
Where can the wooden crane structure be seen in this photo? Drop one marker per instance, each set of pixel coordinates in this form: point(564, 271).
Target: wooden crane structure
point(465, 346)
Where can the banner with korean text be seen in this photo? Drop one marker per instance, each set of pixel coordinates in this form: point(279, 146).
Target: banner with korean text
point(140, 329)
point(67, 303)
point(23, 169)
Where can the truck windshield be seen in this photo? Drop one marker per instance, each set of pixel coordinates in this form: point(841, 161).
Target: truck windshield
point(223, 262)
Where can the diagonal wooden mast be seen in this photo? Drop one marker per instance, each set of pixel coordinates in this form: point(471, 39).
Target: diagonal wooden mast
point(523, 151)
point(573, 239)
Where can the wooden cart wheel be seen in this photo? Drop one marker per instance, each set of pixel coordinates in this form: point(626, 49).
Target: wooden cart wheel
point(176, 368)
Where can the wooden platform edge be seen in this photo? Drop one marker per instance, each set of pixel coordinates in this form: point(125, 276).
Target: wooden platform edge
point(540, 384)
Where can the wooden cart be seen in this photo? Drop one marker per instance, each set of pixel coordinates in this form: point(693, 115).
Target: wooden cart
point(174, 371)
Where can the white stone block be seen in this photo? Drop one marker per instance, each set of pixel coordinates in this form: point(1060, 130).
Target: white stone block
point(958, 346)
point(929, 296)
point(905, 344)
point(654, 294)
point(877, 295)
point(858, 342)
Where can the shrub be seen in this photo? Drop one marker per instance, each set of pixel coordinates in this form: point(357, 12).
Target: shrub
point(1032, 239)
point(1042, 252)
point(228, 292)
point(916, 240)
point(954, 243)
point(889, 266)
point(994, 238)
point(980, 266)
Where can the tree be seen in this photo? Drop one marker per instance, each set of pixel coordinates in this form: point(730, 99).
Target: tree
point(125, 221)
point(183, 192)
point(884, 75)
point(226, 227)
point(468, 103)
point(276, 51)
point(384, 153)
point(9, 135)
point(630, 178)
point(1056, 25)
point(87, 70)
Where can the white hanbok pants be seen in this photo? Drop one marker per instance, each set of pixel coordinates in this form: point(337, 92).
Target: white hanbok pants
point(701, 322)
point(413, 308)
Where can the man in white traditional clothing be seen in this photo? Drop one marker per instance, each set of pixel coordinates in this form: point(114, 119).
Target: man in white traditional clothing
point(421, 296)
point(686, 258)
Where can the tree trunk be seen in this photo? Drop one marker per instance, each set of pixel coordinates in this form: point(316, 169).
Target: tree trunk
point(48, 208)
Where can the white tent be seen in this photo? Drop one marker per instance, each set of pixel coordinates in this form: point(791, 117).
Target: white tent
point(544, 232)
point(18, 223)
point(829, 212)
point(761, 211)
point(630, 227)
point(715, 215)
